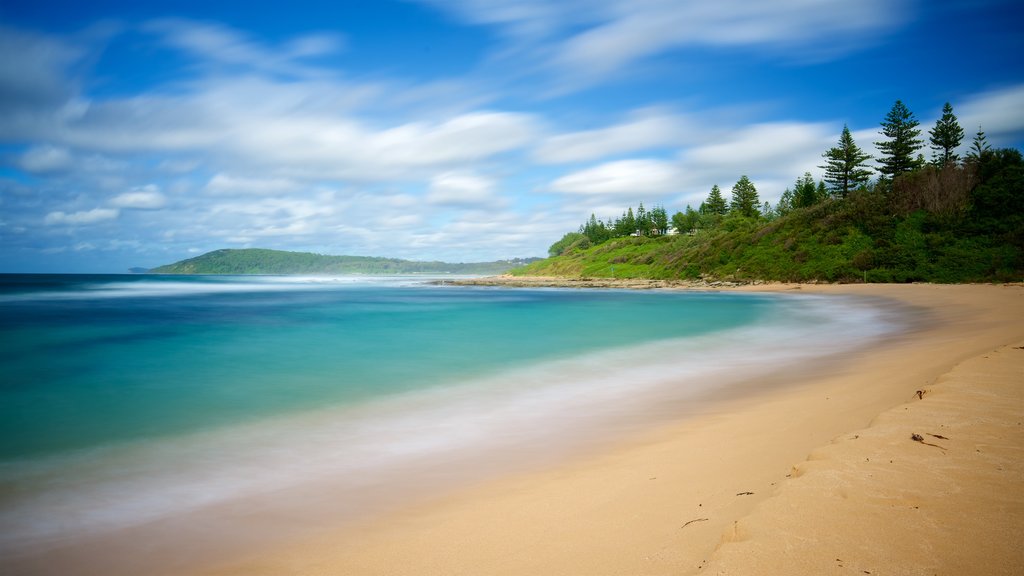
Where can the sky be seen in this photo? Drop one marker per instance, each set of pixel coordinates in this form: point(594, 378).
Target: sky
point(134, 134)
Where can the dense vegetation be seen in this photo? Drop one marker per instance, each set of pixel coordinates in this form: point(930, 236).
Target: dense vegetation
point(948, 220)
point(261, 261)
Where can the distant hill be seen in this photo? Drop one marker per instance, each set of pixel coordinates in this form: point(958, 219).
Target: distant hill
point(263, 261)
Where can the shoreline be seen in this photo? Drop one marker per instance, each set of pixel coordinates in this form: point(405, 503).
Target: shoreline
point(510, 281)
point(683, 495)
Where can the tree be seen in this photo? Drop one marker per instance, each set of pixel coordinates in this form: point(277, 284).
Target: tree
point(680, 223)
point(659, 220)
point(715, 204)
point(595, 230)
point(785, 204)
point(844, 165)
point(570, 240)
point(744, 198)
point(805, 193)
point(898, 151)
point(979, 147)
point(945, 138)
point(643, 221)
point(626, 226)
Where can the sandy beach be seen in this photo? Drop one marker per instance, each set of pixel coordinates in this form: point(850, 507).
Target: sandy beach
point(822, 476)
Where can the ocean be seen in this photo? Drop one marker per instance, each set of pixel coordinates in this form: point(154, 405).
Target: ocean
point(133, 401)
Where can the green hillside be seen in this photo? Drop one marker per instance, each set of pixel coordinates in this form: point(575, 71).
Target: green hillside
point(961, 223)
point(263, 261)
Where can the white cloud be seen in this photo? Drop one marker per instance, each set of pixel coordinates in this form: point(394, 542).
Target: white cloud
point(635, 178)
point(147, 197)
point(521, 18)
point(460, 189)
point(768, 145)
point(214, 42)
point(46, 158)
point(772, 153)
point(81, 218)
point(589, 41)
point(999, 113)
point(226, 184)
point(646, 129)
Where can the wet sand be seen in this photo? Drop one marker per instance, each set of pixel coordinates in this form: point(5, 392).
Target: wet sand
point(817, 477)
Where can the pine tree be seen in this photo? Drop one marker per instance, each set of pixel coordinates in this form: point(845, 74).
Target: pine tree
point(898, 152)
point(979, 146)
point(744, 198)
point(715, 204)
point(595, 230)
point(785, 204)
point(945, 138)
point(627, 225)
point(643, 221)
point(659, 220)
point(805, 193)
point(844, 165)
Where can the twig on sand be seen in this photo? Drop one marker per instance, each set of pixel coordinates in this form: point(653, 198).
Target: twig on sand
point(939, 436)
point(744, 494)
point(919, 438)
point(694, 520)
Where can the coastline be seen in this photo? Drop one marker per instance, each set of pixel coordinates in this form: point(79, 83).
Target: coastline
point(691, 497)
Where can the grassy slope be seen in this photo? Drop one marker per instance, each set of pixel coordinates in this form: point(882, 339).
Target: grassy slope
point(843, 241)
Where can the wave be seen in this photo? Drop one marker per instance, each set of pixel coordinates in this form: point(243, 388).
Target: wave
point(72, 288)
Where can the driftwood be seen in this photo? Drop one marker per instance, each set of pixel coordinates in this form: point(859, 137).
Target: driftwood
point(744, 493)
point(694, 520)
point(919, 438)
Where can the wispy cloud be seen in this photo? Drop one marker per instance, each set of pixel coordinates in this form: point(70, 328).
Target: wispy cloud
point(146, 197)
point(46, 158)
point(589, 41)
point(999, 112)
point(214, 43)
point(645, 129)
point(635, 179)
point(461, 189)
point(85, 217)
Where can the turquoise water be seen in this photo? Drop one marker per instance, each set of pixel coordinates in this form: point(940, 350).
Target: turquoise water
point(127, 400)
point(93, 360)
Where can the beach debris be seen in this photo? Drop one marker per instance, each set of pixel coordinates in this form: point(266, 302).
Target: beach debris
point(920, 394)
point(744, 493)
point(918, 438)
point(939, 436)
point(694, 520)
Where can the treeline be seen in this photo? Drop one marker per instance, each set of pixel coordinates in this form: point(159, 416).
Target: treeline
point(639, 223)
point(905, 217)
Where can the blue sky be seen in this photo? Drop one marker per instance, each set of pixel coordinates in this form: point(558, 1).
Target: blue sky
point(141, 133)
